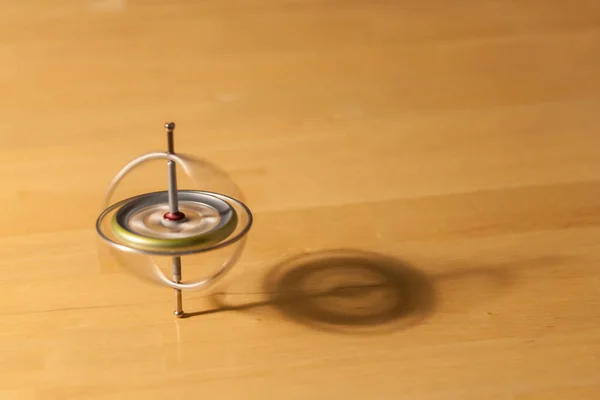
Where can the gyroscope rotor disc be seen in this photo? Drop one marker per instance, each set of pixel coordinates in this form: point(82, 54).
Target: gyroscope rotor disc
point(141, 222)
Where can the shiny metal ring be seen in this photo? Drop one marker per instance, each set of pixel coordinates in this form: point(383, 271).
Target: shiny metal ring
point(225, 267)
point(140, 160)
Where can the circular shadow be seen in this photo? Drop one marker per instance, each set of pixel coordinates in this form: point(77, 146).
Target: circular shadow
point(349, 291)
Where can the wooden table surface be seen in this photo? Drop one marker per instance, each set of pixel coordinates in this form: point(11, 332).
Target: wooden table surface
point(424, 176)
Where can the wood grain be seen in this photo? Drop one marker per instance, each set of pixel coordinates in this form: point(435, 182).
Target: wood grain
point(424, 176)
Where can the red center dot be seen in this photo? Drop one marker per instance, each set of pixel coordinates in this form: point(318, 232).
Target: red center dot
point(177, 216)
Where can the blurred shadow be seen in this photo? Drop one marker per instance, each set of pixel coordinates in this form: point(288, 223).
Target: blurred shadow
point(353, 291)
point(346, 291)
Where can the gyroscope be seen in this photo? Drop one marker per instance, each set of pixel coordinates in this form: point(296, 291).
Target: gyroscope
point(175, 222)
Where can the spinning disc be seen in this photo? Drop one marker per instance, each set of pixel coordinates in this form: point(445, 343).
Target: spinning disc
point(142, 222)
point(137, 225)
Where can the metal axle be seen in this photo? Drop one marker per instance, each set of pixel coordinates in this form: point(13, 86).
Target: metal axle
point(174, 215)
